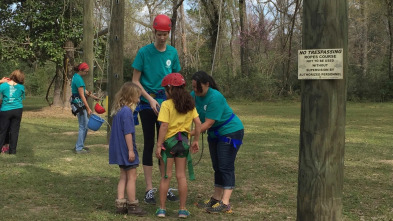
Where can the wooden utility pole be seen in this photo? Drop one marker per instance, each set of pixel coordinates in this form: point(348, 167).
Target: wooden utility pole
point(116, 53)
point(88, 37)
point(323, 109)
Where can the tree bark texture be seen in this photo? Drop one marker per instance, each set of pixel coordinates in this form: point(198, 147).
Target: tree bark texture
point(68, 64)
point(58, 83)
point(323, 109)
point(88, 44)
point(116, 41)
point(175, 6)
point(213, 15)
point(389, 14)
point(243, 31)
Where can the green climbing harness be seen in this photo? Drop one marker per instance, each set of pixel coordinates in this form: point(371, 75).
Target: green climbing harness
point(177, 146)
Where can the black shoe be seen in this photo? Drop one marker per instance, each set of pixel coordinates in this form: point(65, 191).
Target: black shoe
point(149, 196)
point(207, 203)
point(170, 196)
point(219, 207)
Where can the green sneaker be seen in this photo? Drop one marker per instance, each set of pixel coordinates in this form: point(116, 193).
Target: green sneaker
point(160, 213)
point(219, 207)
point(83, 151)
point(207, 203)
point(183, 213)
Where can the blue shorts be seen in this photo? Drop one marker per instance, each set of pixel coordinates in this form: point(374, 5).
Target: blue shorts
point(124, 167)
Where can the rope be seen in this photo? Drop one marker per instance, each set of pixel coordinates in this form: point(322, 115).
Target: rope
point(200, 157)
point(203, 146)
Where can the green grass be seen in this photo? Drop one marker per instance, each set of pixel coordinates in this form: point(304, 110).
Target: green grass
point(47, 181)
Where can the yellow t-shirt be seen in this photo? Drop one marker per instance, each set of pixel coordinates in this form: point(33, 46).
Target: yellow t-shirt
point(176, 122)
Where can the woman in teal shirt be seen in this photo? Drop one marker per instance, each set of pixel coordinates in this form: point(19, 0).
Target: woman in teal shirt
point(78, 99)
point(225, 135)
point(152, 63)
point(12, 92)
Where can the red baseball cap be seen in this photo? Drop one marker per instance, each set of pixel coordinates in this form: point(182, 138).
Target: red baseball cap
point(83, 66)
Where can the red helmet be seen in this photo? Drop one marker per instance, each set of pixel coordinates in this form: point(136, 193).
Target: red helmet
point(173, 79)
point(99, 109)
point(162, 23)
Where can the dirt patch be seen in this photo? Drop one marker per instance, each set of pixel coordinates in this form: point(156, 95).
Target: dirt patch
point(49, 112)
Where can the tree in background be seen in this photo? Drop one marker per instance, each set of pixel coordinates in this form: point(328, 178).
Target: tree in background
point(36, 31)
point(208, 35)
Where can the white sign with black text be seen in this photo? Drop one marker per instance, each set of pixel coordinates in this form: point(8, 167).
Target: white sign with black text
point(320, 64)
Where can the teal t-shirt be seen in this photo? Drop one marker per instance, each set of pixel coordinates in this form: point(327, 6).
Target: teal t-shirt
point(154, 65)
point(77, 82)
point(11, 96)
point(214, 106)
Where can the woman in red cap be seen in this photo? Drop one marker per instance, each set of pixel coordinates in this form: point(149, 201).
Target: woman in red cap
point(79, 105)
point(152, 63)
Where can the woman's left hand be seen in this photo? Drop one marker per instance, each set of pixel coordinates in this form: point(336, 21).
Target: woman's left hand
point(88, 110)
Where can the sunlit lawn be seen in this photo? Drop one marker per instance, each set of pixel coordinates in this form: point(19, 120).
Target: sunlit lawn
point(47, 181)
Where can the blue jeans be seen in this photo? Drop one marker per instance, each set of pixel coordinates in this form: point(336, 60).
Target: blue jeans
point(223, 157)
point(82, 119)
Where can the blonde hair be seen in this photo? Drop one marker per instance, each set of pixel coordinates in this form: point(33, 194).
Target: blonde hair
point(126, 96)
point(18, 76)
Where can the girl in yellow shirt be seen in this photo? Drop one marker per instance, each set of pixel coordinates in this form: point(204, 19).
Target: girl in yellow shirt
point(176, 116)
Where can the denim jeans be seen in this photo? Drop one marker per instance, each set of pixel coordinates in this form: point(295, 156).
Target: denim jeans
point(82, 119)
point(223, 157)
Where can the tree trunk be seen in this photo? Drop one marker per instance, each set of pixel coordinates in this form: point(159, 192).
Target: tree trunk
point(213, 15)
point(364, 39)
point(62, 80)
point(183, 38)
point(243, 38)
point(68, 64)
point(323, 109)
point(288, 64)
point(389, 15)
point(115, 67)
point(58, 86)
point(175, 6)
point(88, 37)
point(234, 33)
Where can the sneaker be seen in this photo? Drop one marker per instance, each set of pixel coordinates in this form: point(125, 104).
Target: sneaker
point(160, 213)
point(87, 149)
point(207, 203)
point(183, 213)
point(170, 196)
point(219, 207)
point(83, 151)
point(149, 196)
point(5, 149)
